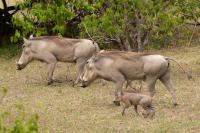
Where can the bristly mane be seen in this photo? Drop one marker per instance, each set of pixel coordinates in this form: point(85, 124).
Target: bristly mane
point(45, 37)
point(58, 39)
point(122, 54)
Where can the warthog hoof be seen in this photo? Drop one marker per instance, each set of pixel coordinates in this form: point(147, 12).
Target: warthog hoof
point(145, 115)
point(117, 103)
point(175, 104)
point(49, 82)
point(57, 81)
point(74, 84)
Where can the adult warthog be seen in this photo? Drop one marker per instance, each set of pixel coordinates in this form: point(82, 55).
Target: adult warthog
point(119, 67)
point(51, 49)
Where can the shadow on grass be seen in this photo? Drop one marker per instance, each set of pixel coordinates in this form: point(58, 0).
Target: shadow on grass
point(9, 51)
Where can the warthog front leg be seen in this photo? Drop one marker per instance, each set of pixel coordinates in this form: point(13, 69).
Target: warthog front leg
point(125, 107)
point(80, 65)
point(51, 60)
point(150, 112)
point(118, 92)
point(151, 81)
point(135, 108)
point(51, 68)
point(118, 78)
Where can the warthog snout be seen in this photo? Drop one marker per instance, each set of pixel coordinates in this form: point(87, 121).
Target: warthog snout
point(19, 66)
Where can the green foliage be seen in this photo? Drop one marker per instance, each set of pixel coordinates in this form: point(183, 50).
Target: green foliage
point(109, 24)
point(189, 9)
point(21, 125)
point(41, 19)
point(160, 16)
point(121, 20)
point(47, 17)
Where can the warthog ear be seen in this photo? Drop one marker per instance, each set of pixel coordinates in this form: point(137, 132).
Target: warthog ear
point(31, 36)
point(26, 42)
point(101, 51)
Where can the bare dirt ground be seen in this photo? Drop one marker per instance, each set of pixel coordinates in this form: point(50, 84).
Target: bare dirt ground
point(65, 109)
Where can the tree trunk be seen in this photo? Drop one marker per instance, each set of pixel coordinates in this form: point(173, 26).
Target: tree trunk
point(140, 44)
point(142, 35)
point(6, 26)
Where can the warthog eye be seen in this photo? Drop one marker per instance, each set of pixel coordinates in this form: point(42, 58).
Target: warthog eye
point(23, 46)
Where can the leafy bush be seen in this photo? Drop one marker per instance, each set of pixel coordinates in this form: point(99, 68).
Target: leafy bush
point(124, 24)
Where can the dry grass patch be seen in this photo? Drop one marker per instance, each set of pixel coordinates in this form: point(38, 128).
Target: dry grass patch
point(62, 108)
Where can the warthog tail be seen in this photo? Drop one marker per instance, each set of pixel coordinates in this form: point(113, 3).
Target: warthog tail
point(94, 43)
point(96, 46)
point(188, 75)
point(31, 36)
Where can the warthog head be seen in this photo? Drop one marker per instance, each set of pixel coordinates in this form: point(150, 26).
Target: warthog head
point(27, 55)
point(90, 73)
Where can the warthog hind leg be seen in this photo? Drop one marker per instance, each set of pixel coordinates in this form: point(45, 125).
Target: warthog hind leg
point(125, 107)
point(165, 79)
point(135, 108)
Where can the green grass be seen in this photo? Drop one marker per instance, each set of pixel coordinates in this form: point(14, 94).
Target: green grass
point(64, 109)
point(8, 51)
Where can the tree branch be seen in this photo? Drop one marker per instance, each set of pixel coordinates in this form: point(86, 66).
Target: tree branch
point(88, 32)
point(4, 4)
point(192, 35)
point(146, 38)
point(190, 23)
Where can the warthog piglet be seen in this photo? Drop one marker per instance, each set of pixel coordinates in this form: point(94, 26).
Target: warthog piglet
point(136, 99)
